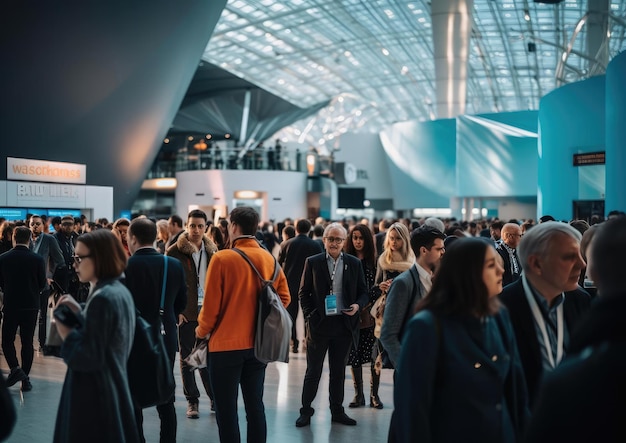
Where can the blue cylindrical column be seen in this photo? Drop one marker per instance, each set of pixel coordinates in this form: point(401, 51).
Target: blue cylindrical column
point(616, 134)
point(571, 121)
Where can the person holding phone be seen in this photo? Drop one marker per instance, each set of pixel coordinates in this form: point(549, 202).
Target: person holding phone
point(95, 401)
point(332, 292)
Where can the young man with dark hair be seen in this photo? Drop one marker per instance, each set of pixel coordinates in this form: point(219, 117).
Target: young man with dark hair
point(175, 228)
point(229, 317)
point(144, 279)
point(410, 287)
point(194, 249)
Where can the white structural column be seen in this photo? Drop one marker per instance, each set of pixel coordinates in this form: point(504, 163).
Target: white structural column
point(597, 28)
point(452, 27)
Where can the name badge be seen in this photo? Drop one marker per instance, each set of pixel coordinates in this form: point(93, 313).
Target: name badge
point(330, 304)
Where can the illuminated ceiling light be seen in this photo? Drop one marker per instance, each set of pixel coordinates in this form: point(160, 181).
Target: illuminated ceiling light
point(404, 70)
point(347, 53)
point(190, 138)
point(526, 15)
point(340, 99)
point(208, 136)
point(385, 51)
point(167, 140)
point(169, 183)
point(226, 135)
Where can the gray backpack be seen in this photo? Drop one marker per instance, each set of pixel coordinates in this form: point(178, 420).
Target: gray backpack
point(273, 324)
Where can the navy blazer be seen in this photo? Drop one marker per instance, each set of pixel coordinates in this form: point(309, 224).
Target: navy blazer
point(450, 387)
point(316, 285)
point(22, 278)
point(576, 304)
point(144, 279)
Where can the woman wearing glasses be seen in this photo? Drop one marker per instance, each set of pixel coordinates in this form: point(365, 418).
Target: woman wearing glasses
point(397, 257)
point(459, 376)
point(96, 402)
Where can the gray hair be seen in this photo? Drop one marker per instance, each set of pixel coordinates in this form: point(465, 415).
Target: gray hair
point(538, 240)
point(435, 223)
point(339, 226)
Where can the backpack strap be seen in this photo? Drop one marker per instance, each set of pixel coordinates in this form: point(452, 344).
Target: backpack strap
point(240, 252)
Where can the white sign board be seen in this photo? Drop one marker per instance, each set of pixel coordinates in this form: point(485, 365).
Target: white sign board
point(45, 195)
point(45, 171)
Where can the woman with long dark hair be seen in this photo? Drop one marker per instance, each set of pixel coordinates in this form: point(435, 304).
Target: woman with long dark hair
point(459, 375)
point(96, 403)
point(360, 243)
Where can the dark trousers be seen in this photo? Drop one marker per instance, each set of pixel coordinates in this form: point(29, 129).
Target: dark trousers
point(43, 315)
point(167, 415)
point(338, 348)
point(26, 320)
point(186, 342)
point(292, 309)
point(228, 370)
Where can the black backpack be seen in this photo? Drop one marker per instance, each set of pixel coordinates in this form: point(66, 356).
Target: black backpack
point(273, 324)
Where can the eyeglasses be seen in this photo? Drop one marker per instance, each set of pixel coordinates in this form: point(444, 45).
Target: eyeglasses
point(334, 239)
point(517, 235)
point(79, 258)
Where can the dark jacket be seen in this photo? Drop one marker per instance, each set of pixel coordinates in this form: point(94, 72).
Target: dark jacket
point(144, 279)
point(50, 251)
point(316, 285)
point(583, 399)
point(293, 254)
point(574, 307)
point(453, 385)
point(183, 250)
point(95, 403)
point(22, 278)
point(508, 277)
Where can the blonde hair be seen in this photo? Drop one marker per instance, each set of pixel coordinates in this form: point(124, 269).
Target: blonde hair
point(406, 253)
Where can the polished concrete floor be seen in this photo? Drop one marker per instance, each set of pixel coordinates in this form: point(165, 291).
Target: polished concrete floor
point(37, 409)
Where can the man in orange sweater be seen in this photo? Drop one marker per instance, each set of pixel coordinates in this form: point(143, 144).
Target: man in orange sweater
point(228, 317)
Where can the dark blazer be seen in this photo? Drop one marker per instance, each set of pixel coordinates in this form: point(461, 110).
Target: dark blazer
point(293, 254)
point(508, 277)
point(144, 278)
point(316, 285)
point(451, 387)
point(576, 304)
point(22, 278)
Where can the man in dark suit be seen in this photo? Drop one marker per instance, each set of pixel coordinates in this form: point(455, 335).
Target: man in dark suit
point(507, 248)
point(332, 292)
point(379, 238)
point(47, 247)
point(546, 303)
point(293, 253)
point(144, 279)
point(22, 278)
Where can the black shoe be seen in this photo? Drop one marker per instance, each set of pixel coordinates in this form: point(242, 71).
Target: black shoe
point(16, 374)
point(213, 405)
point(375, 402)
point(357, 401)
point(27, 385)
point(343, 419)
point(305, 418)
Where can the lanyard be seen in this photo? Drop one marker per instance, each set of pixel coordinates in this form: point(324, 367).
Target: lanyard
point(198, 267)
point(332, 277)
point(534, 307)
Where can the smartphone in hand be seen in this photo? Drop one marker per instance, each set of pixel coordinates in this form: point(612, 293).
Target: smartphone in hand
point(65, 315)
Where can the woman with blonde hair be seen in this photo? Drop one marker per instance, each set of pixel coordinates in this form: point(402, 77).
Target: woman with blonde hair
point(397, 257)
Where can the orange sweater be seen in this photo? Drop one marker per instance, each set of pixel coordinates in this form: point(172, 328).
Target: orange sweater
point(231, 293)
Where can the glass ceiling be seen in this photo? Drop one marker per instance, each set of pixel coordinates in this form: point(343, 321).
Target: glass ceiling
point(374, 58)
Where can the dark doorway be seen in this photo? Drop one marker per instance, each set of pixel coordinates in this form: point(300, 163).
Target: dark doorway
point(584, 209)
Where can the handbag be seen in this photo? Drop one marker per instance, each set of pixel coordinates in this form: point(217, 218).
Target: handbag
point(52, 347)
point(197, 358)
point(150, 375)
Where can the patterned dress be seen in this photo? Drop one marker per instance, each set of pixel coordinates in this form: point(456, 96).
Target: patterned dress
point(363, 354)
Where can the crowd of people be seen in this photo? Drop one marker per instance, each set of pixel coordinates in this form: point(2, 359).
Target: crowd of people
point(496, 330)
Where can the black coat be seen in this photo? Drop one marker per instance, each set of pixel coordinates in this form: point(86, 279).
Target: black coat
point(22, 278)
point(583, 399)
point(576, 303)
point(293, 254)
point(144, 279)
point(316, 285)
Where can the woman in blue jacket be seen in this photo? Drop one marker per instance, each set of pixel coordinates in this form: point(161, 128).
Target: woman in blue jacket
point(459, 376)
